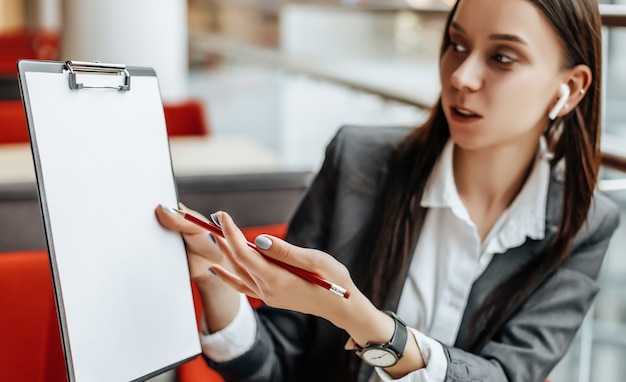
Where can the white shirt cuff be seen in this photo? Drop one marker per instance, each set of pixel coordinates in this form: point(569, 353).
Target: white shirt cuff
point(235, 339)
point(434, 358)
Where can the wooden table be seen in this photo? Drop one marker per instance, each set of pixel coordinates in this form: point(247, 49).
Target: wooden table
point(230, 174)
point(190, 157)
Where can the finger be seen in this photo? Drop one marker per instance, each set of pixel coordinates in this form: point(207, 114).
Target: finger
point(247, 261)
point(279, 250)
point(234, 264)
point(197, 239)
point(228, 248)
point(318, 267)
point(197, 267)
point(230, 230)
point(170, 219)
point(233, 281)
point(245, 256)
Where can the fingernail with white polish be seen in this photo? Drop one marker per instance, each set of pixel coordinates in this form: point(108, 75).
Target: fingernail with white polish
point(166, 208)
point(263, 242)
point(215, 219)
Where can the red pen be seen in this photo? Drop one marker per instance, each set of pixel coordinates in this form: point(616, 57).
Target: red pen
point(312, 277)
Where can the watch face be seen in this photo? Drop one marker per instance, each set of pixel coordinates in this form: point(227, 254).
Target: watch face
point(380, 357)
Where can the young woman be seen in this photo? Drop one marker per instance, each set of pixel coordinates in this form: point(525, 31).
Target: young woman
point(481, 229)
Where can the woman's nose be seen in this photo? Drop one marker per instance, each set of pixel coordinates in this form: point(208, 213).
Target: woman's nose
point(468, 75)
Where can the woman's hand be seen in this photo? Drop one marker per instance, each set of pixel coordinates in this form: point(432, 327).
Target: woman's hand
point(257, 276)
point(253, 273)
point(220, 302)
point(201, 250)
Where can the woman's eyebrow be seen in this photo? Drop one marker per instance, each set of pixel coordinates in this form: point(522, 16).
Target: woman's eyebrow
point(456, 26)
point(508, 37)
point(496, 36)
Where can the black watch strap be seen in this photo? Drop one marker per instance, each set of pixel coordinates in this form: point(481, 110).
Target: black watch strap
point(397, 342)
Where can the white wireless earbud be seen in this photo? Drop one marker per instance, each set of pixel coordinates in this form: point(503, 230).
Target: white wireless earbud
point(560, 103)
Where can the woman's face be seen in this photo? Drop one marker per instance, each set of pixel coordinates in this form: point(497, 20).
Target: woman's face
point(500, 74)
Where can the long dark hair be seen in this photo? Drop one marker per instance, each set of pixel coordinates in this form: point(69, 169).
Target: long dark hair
point(578, 25)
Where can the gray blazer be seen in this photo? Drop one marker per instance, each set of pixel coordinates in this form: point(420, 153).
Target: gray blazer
point(332, 217)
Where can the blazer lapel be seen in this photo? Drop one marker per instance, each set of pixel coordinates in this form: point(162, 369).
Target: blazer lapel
point(503, 265)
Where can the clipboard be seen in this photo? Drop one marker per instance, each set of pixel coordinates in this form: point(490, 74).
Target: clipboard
point(102, 164)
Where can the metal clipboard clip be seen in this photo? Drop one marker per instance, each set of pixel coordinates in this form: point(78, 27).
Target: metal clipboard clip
point(76, 67)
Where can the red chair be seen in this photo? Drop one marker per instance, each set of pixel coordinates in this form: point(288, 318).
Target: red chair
point(186, 119)
point(26, 44)
point(182, 119)
point(197, 370)
point(30, 339)
point(14, 46)
point(13, 127)
point(31, 349)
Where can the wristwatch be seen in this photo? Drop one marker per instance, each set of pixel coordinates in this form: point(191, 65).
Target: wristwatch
point(387, 354)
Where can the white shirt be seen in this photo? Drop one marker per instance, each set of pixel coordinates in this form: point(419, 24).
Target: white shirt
point(449, 257)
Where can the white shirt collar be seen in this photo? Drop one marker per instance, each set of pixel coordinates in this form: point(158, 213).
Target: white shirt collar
point(525, 217)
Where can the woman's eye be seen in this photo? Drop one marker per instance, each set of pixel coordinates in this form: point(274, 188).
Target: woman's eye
point(503, 59)
point(457, 47)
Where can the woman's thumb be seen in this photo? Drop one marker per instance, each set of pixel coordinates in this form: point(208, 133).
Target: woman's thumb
point(276, 249)
point(263, 242)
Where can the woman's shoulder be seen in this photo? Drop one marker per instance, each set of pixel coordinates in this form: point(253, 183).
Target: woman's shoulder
point(604, 214)
point(592, 240)
point(372, 134)
point(359, 142)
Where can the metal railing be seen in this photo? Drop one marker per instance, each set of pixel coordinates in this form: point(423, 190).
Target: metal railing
point(613, 156)
point(613, 15)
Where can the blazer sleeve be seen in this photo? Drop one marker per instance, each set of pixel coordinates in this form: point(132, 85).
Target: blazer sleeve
point(309, 225)
point(533, 341)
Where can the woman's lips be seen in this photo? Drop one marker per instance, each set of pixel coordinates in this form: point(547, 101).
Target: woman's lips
point(460, 114)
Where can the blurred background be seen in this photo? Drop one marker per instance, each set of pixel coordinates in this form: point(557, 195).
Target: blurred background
point(253, 90)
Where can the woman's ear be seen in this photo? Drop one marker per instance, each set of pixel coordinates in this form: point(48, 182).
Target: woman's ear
point(578, 79)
